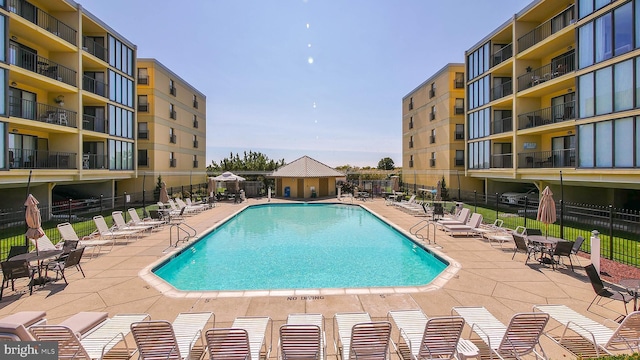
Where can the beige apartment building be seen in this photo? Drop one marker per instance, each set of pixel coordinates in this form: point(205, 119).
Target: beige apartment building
point(171, 130)
point(67, 110)
point(433, 132)
point(556, 90)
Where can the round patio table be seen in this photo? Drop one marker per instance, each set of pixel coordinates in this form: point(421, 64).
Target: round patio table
point(547, 241)
point(633, 288)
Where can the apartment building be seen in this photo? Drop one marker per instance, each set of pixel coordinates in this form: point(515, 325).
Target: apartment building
point(433, 132)
point(171, 129)
point(554, 93)
point(67, 103)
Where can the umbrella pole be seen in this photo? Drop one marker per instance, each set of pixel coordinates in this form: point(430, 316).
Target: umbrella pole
point(26, 240)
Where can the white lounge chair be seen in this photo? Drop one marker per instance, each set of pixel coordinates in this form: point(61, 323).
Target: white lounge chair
point(135, 219)
point(245, 339)
point(68, 233)
point(519, 338)
point(430, 338)
point(188, 209)
point(358, 336)
point(471, 228)
point(181, 339)
point(96, 343)
point(303, 336)
point(197, 205)
point(624, 336)
point(121, 224)
point(106, 233)
point(461, 219)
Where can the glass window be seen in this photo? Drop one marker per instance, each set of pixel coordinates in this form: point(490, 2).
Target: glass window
point(112, 51)
point(604, 38)
point(623, 86)
point(585, 141)
point(604, 145)
point(585, 45)
point(586, 96)
point(638, 80)
point(623, 142)
point(585, 7)
point(604, 92)
point(637, 21)
point(623, 31)
point(3, 162)
point(601, 3)
point(637, 141)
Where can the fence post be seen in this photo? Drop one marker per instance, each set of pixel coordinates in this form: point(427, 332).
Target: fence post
point(610, 232)
point(144, 205)
point(475, 201)
point(101, 197)
point(69, 219)
point(526, 206)
point(497, 200)
point(561, 219)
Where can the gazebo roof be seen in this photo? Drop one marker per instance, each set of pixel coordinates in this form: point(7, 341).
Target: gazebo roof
point(306, 167)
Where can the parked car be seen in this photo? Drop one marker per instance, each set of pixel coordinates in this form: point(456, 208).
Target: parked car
point(516, 198)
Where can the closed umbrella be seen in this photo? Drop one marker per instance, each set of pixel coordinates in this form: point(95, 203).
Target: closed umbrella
point(210, 187)
point(33, 219)
point(164, 196)
point(547, 209)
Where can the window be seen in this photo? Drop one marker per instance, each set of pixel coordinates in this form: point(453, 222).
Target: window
point(120, 155)
point(585, 45)
point(411, 122)
point(459, 158)
point(459, 81)
point(502, 121)
point(586, 96)
point(604, 91)
point(120, 122)
point(623, 30)
point(410, 161)
point(604, 138)
point(195, 161)
point(459, 132)
point(143, 157)
point(433, 112)
point(172, 159)
point(411, 142)
point(120, 56)
point(143, 76)
point(411, 104)
point(459, 107)
point(195, 121)
point(478, 61)
point(195, 141)
point(120, 89)
point(432, 138)
point(432, 161)
point(143, 130)
point(478, 155)
point(432, 92)
point(172, 112)
point(172, 88)
point(172, 136)
point(143, 104)
point(195, 101)
point(623, 86)
point(623, 142)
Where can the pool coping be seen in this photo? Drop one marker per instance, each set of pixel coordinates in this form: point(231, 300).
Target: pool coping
point(168, 290)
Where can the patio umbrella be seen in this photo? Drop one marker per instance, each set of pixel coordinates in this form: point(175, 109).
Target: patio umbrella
point(33, 219)
point(228, 176)
point(547, 209)
point(164, 196)
point(210, 187)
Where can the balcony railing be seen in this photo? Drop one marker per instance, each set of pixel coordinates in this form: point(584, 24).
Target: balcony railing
point(459, 135)
point(501, 125)
point(458, 83)
point(548, 159)
point(195, 163)
point(411, 106)
point(94, 161)
point(93, 123)
point(432, 139)
point(40, 65)
point(37, 16)
point(173, 115)
point(432, 93)
point(195, 124)
point(458, 110)
point(143, 134)
point(555, 114)
point(501, 161)
point(172, 139)
point(143, 107)
point(92, 47)
point(173, 90)
point(143, 80)
point(432, 116)
point(505, 53)
point(143, 161)
point(459, 162)
point(195, 144)
point(502, 90)
point(195, 104)
point(41, 159)
point(432, 162)
point(546, 29)
point(94, 86)
point(550, 71)
point(410, 144)
point(410, 163)
point(172, 162)
point(27, 109)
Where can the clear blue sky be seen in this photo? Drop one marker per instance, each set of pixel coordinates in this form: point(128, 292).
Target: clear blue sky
point(251, 58)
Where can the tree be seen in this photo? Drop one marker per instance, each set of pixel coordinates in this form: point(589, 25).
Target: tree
point(444, 192)
point(386, 164)
point(156, 191)
point(251, 161)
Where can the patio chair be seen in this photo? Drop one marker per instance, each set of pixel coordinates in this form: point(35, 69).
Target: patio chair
point(198, 205)
point(71, 260)
point(181, 339)
point(533, 232)
point(473, 227)
point(88, 242)
point(96, 343)
point(358, 336)
point(135, 219)
point(17, 250)
point(311, 322)
point(576, 248)
point(524, 246)
point(562, 249)
point(461, 219)
point(121, 224)
point(17, 269)
point(613, 336)
point(519, 338)
point(430, 338)
point(605, 292)
point(111, 234)
point(245, 339)
point(188, 209)
point(14, 327)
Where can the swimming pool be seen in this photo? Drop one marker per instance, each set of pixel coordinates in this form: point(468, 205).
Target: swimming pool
point(301, 246)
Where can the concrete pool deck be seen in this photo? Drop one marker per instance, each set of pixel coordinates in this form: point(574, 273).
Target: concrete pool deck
point(487, 277)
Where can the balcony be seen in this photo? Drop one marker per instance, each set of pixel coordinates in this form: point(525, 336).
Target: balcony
point(501, 125)
point(143, 161)
point(31, 110)
point(93, 123)
point(94, 48)
point(195, 144)
point(40, 18)
point(502, 90)
point(458, 110)
point(550, 71)
point(411, 106)
point(173, 91)
point(458, 83)
point(502, 161)
point(172, 138)
point(195, 104)
point(458, 135)
point(432, 139)
point(432, 116)
point(459, 162)
point(502, 55)
point(195, 164)
point(548, 159)
point(94, 86)
point(410, 144)
point(143, 107)
point(94, 161)
point(40, 65)
point(172, 163)
point(546, 29)
point(432, 162)
point(143, 80)
point(41, 159)
point(410, 163)
point(546, 116)
point(432, 93)
point(195, 124)
point(143, 134)
point(173, 115)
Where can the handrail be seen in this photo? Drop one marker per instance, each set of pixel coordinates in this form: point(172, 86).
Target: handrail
point(425, 224)
point(178, 228)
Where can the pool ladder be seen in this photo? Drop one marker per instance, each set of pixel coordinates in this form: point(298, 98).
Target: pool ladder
point(415, 230)
point(180, 227)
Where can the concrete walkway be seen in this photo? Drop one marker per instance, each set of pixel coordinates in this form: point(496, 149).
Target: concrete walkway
point(488, 277)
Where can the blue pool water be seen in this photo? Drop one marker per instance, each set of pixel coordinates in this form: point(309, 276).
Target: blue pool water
point(301, 246)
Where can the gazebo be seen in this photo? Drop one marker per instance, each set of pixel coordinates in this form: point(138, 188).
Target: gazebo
point(306, 178)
